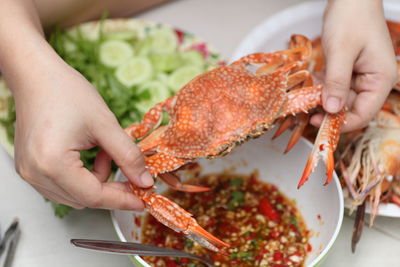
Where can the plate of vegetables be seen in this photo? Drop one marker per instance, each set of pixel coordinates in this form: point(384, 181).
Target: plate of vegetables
point(254, 206)
point(133, 64)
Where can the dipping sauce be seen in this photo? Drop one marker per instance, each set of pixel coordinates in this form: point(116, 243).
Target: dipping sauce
point(263, 227)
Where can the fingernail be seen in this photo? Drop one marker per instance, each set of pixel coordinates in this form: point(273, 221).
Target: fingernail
point(332, 104)
point(146, 179)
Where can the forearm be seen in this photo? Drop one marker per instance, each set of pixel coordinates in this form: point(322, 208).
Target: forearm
point(24, 52)
point(70, 12)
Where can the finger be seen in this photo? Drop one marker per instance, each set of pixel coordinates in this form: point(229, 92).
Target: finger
point(351, 99)
point(87, 189)
point(58, 199)
point(316, 119)
point(123, 186)
point(102, 166)
point(365, 107)
point(125, 153)
point(339, 68)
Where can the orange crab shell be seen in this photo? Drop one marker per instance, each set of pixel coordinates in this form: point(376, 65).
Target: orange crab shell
point(208, 122)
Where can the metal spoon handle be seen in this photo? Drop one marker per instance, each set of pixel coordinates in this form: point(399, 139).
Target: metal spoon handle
point(135, 249)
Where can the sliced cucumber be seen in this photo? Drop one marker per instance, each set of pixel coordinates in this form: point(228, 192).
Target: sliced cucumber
point(160, 40)
point(158, 92)
point(162, 77)
point(163, 40)
point(69, 46)
point(134, 71)
point(165, 61)
point(114, 52)
point(121, 35)
point(193, 58)
point(182, 76)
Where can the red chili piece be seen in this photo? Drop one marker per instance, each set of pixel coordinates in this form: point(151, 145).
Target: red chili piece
point(137, 221)
point(278, 256)
point(309, 247)
point(171, 263)
point(268, 210)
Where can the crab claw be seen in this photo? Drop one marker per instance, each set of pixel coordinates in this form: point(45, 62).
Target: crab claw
point(325, 144)
point(173, 216)
point(174, 182)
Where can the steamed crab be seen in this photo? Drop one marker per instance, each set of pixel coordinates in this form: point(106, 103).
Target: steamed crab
point(223, 108)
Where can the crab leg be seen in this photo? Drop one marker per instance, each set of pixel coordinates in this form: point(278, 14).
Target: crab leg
point(166, 163)
point(325, 144)
point(151, 119)
point(287, 123)
point(178, 219)
point(299, 100)
point(138, 130)
point(302, 100)
point(301, 122)
point(175, 183)
point(271, 61)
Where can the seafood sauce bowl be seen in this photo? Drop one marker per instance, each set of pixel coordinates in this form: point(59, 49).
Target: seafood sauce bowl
point(321, 206)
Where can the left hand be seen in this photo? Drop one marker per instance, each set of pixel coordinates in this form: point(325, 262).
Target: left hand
point(360, 62)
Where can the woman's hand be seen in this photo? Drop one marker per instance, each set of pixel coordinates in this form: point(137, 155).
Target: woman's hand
point(360, 62)
point(59, 114)
point(57, 117)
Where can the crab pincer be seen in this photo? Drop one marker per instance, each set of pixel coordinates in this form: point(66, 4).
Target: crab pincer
point(173, 216)
point(324, 146)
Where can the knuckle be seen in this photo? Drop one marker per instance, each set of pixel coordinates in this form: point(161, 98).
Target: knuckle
point(24, 167)
point(133, 158)
point(107, 119)
point(23, 170)
point(37, 157)
point(336, 86)
point(47, 161)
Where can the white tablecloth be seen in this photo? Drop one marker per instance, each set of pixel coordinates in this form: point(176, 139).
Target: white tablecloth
point(45, 238)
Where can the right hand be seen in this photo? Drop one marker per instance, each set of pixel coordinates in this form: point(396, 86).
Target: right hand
point(59, 113)
point(360, 62)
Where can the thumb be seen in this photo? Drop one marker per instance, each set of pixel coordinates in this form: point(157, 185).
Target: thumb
point(339, 69)
point(125, 153)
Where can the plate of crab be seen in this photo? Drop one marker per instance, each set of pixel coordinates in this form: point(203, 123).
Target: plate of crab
point(213, 120)
point(367, 160)
point(214, 117)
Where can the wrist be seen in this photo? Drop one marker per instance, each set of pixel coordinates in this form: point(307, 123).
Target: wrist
point(21, 35)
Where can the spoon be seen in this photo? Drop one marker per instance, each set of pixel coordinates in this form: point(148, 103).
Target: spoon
point(130, 248)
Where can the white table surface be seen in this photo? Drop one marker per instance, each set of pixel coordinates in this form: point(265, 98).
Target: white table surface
point(45, 238)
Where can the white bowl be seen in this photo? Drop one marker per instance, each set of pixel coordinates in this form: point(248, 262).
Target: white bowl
point(313, 200)
point(274, 33)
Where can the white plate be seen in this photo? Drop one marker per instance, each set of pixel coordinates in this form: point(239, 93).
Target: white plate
point(321, 206)
point(274, 33)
